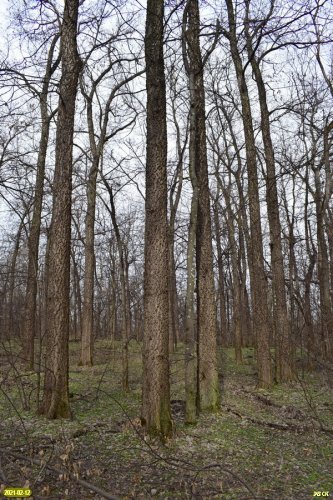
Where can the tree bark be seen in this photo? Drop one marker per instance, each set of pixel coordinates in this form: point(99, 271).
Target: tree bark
point(156, 413)
point(55, 402)
point(221, 285)
point(208, 386)
point(283, 347)
point(256, 260)
point(33, 239)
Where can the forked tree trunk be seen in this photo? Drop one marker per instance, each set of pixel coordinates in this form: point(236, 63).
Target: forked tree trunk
point(55, 402)
point(156, 413)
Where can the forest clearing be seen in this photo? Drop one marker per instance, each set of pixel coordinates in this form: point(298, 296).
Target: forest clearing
point(260, 444)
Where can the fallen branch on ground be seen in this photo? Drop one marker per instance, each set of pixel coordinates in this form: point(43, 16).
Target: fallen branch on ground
point(279, 426)
point(81, 482)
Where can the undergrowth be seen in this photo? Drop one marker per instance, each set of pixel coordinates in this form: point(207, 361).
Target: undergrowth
point(271, 444)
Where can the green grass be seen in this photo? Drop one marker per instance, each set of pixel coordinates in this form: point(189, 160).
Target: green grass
point(220, 457)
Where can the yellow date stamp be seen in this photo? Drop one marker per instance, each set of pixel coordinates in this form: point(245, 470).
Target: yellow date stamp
point(323, 494)
point(17, 492)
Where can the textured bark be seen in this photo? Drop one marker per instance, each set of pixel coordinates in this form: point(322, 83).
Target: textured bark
point(125, 305)
point(221, 285)
point(33, 239)
point(55, 402)
point(191, 392)
point(89, 269)
point(208, 387)
point(191, 361)
point(156, 414)
point(173, 299)
point(256, 260)
point(237, 289)
point(174, 199)
point(242, 222)
point(323, 273)
point(10, 326)
point(77, 295)
point(283, 347)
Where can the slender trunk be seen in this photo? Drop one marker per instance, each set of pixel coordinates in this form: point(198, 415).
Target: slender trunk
point(256, 260)
point(11, 285)
point(191, 409)
point(78, 299)
point(173, 299)
point(174, 199)
point(89, 270)
point(323, 274)
point(237, 306)
point(221, 285)
point(284, 362)
point(33, 239)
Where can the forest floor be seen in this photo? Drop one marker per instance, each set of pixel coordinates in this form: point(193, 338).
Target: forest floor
point(262, 444)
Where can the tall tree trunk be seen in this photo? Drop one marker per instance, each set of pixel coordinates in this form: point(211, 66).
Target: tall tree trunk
point(191, 392)
point(12, 278)
point(256, 260)
point(77, 294)
point(237, 290)
point(284, 362)
point(156, 413)
point(89, 269)
point(208, 385)
point(221, 285)
point(124, 299)
point(55, 402)
point(174, 199)
point(33, 239)
point(323, 273)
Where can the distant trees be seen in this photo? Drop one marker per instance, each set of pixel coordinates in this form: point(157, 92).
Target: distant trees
point(228, 166)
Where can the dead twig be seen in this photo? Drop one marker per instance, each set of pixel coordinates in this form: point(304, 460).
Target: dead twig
point(81, 482)
point(276, 425)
